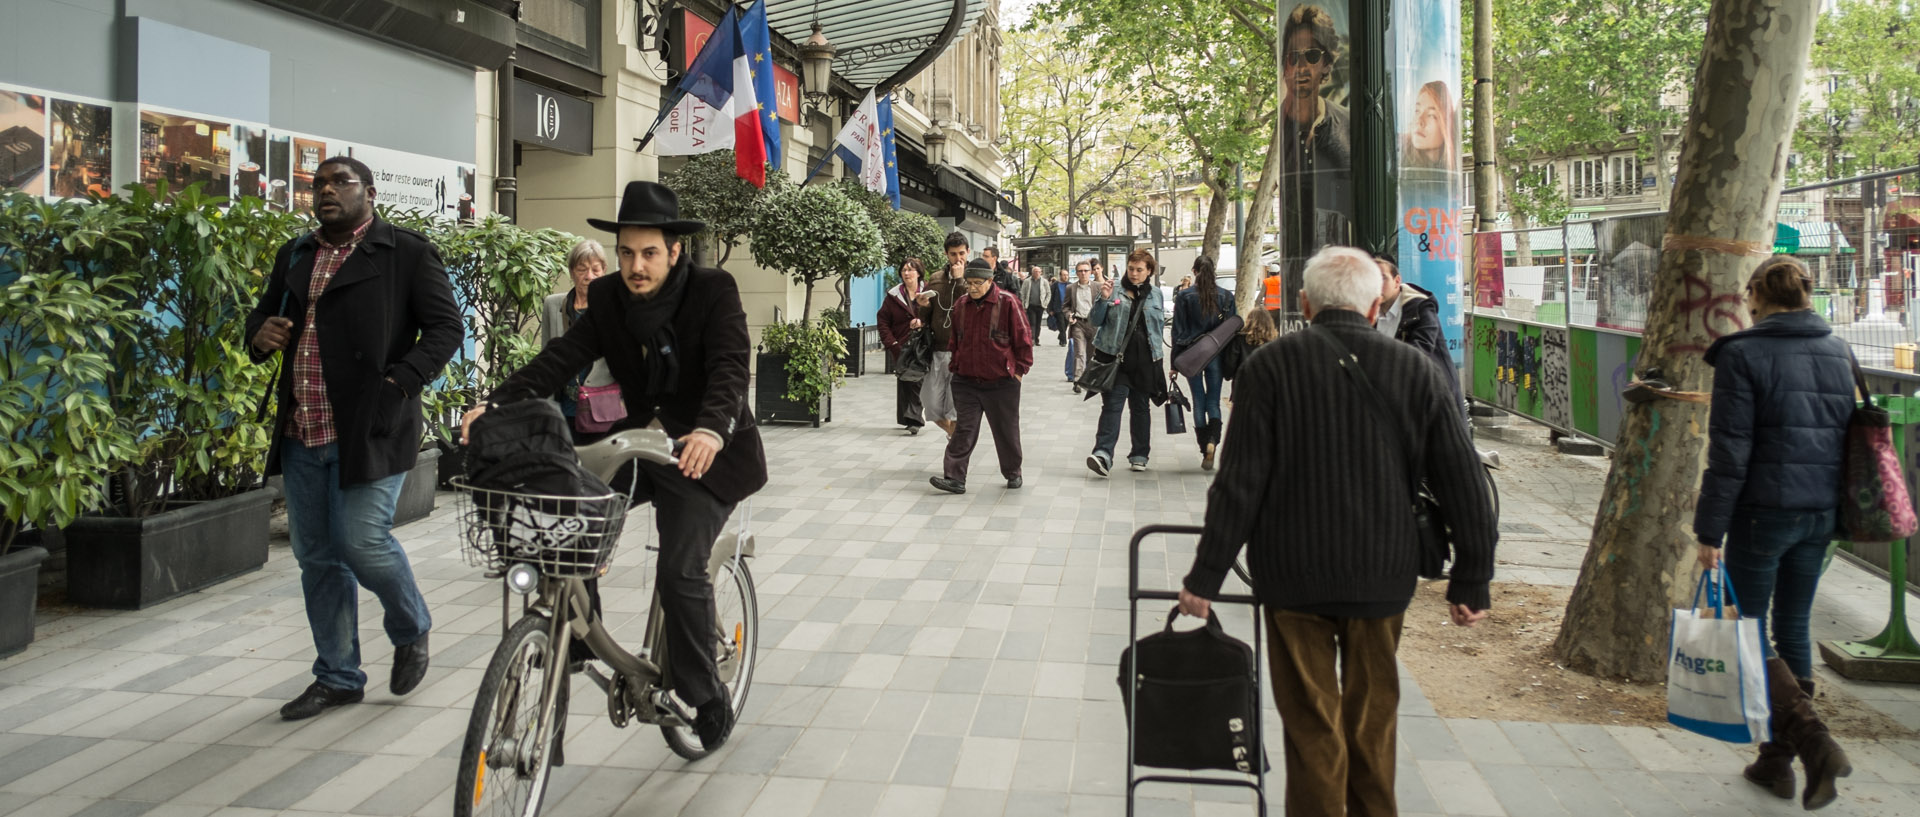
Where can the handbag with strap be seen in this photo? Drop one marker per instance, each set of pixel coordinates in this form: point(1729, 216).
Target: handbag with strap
point(916, 356)
point(1100, 374)
point(1874, 504)
point(1176, 409)
point(1193, 698)
point(1194, 359)
point(598, 408)
point(1435, 540)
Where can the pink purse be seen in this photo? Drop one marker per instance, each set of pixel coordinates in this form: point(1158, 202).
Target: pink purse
point(1874, 504)
point(598, 408)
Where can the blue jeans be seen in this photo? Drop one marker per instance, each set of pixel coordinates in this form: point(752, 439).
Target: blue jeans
point(1070, 348)
point(1206, 394)
point(1774, 558)
point(1121, 398)
point(342, 536)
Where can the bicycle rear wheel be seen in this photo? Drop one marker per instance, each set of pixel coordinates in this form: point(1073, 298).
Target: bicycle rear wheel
point(737, 636)
point(509, 746)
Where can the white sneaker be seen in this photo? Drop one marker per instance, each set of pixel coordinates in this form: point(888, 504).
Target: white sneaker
point(1137, 466)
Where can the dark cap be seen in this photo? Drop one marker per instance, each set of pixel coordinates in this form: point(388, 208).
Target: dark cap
point(979, 269)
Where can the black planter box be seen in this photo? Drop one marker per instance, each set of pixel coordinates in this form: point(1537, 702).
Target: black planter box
point(770, 403)
point(19, 574)
point(856, 358)
point(416, 494)
point(452, 463)
point(130, 564)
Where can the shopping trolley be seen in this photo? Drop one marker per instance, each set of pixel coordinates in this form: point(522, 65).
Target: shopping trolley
point(1251, 772)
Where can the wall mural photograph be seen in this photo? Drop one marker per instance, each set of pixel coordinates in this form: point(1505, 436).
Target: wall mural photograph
point(183, 150)
point(1316, 159)
point(23, 142)
point(80, 157)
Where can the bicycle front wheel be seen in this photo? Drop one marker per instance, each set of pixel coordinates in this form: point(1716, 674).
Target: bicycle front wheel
point(736, 639)
point(510, 741)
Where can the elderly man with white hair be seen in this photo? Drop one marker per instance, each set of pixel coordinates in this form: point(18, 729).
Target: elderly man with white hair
point(1315, 480)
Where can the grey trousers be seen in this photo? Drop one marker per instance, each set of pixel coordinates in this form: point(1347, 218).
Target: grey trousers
point(936, 389)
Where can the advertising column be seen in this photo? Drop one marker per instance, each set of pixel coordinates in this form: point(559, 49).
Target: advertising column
point(1316, 159)
point(1427, 70)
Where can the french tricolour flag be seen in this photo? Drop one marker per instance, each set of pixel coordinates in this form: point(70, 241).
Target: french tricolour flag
point(716, 107)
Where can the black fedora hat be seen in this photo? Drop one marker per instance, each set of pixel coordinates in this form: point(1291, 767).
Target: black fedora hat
point(649, 204)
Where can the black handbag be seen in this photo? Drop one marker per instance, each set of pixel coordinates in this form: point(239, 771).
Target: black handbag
point(1102, 371)
point(1197, 698)
point(916, 356)
point(1436, 542)
point(1194, 358)
point(1176, 409)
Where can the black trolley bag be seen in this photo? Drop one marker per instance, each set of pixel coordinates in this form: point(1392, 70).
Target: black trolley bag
point(1194, 700)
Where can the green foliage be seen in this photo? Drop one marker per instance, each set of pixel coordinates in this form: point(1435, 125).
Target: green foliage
point(711, 191)
point(812, 233)
point(500, 274)
point(1572, 82)
point(59, 435)
point(1869, 51)
point(1073, 123)
point(813, 350)
point(913, 235)
point(182, 377)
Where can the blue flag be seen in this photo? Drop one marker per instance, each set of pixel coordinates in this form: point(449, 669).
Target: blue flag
point(758, 45)
point(887, 149)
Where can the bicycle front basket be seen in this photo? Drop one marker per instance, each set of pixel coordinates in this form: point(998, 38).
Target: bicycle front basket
point(563, 536)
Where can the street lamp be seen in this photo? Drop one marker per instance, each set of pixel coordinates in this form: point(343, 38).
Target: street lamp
point(816, 56)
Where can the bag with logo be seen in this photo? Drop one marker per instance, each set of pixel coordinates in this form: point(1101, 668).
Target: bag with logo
point(1716, 673)
point(1197, 697)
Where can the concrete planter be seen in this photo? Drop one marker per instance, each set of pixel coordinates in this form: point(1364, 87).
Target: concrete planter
point(19, 574)
point(416, 493)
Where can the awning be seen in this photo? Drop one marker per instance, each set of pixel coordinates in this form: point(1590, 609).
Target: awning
point(875, 38)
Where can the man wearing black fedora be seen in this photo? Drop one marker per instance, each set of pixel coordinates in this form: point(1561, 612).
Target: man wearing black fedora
point(674, 336)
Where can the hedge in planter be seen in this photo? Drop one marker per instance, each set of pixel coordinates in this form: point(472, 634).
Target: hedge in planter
point(59, 437)
point(183, 380)
point(799, 365)
point(712, 192)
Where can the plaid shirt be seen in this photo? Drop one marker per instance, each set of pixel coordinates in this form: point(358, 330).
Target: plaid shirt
point(312, 419)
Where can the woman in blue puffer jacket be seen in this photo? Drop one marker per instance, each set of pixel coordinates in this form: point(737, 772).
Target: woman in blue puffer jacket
point(1782, 393)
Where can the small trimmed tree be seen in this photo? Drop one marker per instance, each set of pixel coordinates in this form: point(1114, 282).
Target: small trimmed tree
point(711, 191)
point(812, 233)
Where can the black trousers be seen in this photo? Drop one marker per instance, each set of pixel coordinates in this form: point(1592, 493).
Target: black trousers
point(1036, 320)
point(688, 519)
point(999, 402)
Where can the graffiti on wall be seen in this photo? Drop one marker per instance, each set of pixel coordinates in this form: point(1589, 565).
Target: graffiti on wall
point(1555, 369)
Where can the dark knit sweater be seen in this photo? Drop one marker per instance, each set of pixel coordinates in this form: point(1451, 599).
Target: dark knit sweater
point(1317, 490)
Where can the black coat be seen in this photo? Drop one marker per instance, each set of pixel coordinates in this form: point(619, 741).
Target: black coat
point(1420, 328)
point(710, 331)
point(1782, 393)
point(388, 313)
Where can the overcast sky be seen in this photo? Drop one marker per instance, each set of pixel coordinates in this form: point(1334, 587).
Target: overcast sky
point(1013, 13)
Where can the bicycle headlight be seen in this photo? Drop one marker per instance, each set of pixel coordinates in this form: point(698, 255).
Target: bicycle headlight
point(522, 578)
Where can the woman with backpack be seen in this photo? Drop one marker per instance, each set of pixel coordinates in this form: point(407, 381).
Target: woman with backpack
point(1197, 310)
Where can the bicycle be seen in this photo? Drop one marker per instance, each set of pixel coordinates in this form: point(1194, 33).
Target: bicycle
point(545, 548)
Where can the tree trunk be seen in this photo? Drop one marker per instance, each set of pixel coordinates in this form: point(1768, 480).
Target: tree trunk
point(1640, 563)
point(1026, 206)
point(1486, 180)
point(1662, 187)
point(806, 305)
point(1247, 289)
point(1216, 210)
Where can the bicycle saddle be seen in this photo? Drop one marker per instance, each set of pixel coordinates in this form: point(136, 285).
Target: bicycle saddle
point(605, 457)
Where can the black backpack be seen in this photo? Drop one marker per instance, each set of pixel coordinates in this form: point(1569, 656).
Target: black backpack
point(524, 448)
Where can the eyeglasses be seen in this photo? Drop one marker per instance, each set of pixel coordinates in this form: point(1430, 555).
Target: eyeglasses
point(343, 181)
point(1311, 56)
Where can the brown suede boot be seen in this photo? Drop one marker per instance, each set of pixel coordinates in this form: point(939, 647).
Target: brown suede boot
point(1774, 768)
point(1821, 758)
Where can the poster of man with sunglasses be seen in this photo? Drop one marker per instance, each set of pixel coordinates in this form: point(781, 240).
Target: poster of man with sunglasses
point(1316, 162)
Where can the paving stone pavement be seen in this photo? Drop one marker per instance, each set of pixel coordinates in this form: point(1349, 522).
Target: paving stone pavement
point(921, 654)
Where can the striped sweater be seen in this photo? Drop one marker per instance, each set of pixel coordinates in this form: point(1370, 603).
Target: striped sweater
point(1317, 490)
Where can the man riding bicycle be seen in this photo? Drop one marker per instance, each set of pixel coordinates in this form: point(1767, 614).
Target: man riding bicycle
point(674, 336)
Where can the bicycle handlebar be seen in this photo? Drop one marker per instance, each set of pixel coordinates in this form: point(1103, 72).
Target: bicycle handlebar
point(605, 457)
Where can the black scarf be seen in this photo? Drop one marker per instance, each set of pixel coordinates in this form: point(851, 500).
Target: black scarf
point(651, 321)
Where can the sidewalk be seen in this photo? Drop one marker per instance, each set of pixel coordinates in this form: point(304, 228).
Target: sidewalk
point(921, 654)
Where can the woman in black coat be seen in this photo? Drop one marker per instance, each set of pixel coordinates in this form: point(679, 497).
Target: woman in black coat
point(1782, 393)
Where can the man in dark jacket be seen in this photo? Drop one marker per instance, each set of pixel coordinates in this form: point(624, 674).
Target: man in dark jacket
point(941, 292)
point(675, 338)
point(1310, 448)
point(992, 351)
point(365, 315)
point(1410, 315)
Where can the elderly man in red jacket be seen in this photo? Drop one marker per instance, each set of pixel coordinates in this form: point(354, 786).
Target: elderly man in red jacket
point(992, 349)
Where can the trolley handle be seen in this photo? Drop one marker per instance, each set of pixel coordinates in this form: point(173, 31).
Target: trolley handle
point(1133, 568)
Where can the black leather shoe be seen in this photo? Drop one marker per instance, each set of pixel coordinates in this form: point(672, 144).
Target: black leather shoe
point(1013, 483)
point(409, 666)
point(714, 722)
point(951, 486)
point(317, 699)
